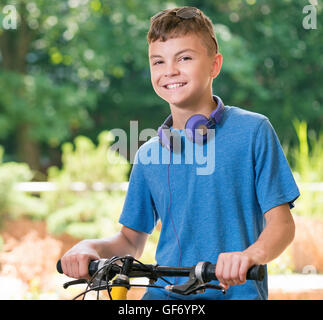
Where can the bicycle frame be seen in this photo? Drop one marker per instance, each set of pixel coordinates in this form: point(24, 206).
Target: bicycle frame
point(119, 293)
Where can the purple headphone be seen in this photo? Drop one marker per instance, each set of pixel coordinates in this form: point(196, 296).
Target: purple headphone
point(195, 122)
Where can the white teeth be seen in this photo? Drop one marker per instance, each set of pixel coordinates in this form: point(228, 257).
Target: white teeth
point(176, 85)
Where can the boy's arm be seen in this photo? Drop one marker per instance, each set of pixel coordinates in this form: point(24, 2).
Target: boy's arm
point(279, 232)
point(128, 241)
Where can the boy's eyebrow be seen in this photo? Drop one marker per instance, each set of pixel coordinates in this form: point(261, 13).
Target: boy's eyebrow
point(179, 52)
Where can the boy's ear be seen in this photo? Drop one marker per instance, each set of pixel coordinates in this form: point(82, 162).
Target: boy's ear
point(216, 65)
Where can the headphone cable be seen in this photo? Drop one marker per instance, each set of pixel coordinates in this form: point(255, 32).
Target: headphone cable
point(171, 216)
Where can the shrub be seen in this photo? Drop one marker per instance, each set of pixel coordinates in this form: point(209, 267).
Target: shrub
point(88, 213)
point(14, 203)
point(308, 168)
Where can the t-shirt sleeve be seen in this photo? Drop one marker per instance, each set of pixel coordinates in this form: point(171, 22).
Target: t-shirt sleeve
point(275, 184)
point(138, 211)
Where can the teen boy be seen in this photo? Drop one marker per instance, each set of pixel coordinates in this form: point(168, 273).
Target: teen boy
point(238, 215)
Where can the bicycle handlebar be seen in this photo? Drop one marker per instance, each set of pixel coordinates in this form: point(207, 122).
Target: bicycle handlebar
point(203, 270)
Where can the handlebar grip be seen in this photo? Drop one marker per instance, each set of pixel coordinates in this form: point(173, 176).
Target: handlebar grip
point(256, 272)
point(93, 266)
point(59, 266)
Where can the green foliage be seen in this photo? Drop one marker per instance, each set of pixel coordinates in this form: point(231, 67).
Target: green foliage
point(88, 213)
point(286, 59)
point(51, 110)
point(62, 57)
point(308, 168)
point(94, 216)
point(15, 203)
point(86, 61)
point(308, 156)
point(89, 163)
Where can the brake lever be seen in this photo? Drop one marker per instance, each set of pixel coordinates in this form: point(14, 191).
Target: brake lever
point(73, 282)
point(187, 287)
point(193, 286)
point(204, 286)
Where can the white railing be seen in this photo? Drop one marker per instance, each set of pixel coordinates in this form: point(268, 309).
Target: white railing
point(311, 186)
point(37, 187)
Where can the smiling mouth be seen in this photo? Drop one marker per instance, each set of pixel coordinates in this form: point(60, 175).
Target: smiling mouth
point(175, 86)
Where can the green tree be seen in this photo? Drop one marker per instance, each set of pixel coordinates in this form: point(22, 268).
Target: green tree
point(57, 62)
point(80, 67)
point(271, 65)
point(285, 60)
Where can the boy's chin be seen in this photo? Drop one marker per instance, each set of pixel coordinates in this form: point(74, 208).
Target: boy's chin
point(175, 99)
point(175, 102)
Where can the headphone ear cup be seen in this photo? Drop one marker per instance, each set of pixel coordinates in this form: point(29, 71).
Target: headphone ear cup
point(194, 128)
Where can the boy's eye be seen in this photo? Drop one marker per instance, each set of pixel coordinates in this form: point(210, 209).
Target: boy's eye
point(185, 58)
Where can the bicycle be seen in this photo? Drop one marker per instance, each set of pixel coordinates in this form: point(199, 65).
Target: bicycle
point(107, 274)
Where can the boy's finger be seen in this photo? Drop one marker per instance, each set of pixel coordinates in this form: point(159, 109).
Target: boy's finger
point(244, 266)
point(224, 286)
point(219, 269)
point(235, 268)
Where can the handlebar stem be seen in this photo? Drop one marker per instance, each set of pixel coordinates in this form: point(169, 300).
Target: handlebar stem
point(127, 265)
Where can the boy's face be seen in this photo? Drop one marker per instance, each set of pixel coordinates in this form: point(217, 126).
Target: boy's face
point(193, 69)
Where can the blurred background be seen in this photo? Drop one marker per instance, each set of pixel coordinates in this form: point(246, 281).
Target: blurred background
point(73, 70)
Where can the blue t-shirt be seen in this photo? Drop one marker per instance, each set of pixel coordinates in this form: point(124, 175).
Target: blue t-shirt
point(212, 199)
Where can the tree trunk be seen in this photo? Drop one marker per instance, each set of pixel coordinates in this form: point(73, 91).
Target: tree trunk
point(14, 46)
point(28, 150)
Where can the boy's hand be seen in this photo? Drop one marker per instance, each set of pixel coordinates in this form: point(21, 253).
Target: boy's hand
point(232, 267)
point(75, 261)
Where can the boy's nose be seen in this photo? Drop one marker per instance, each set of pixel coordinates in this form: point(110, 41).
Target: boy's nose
point(171, 70)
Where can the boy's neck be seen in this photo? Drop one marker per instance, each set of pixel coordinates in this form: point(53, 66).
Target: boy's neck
point(181, 114)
